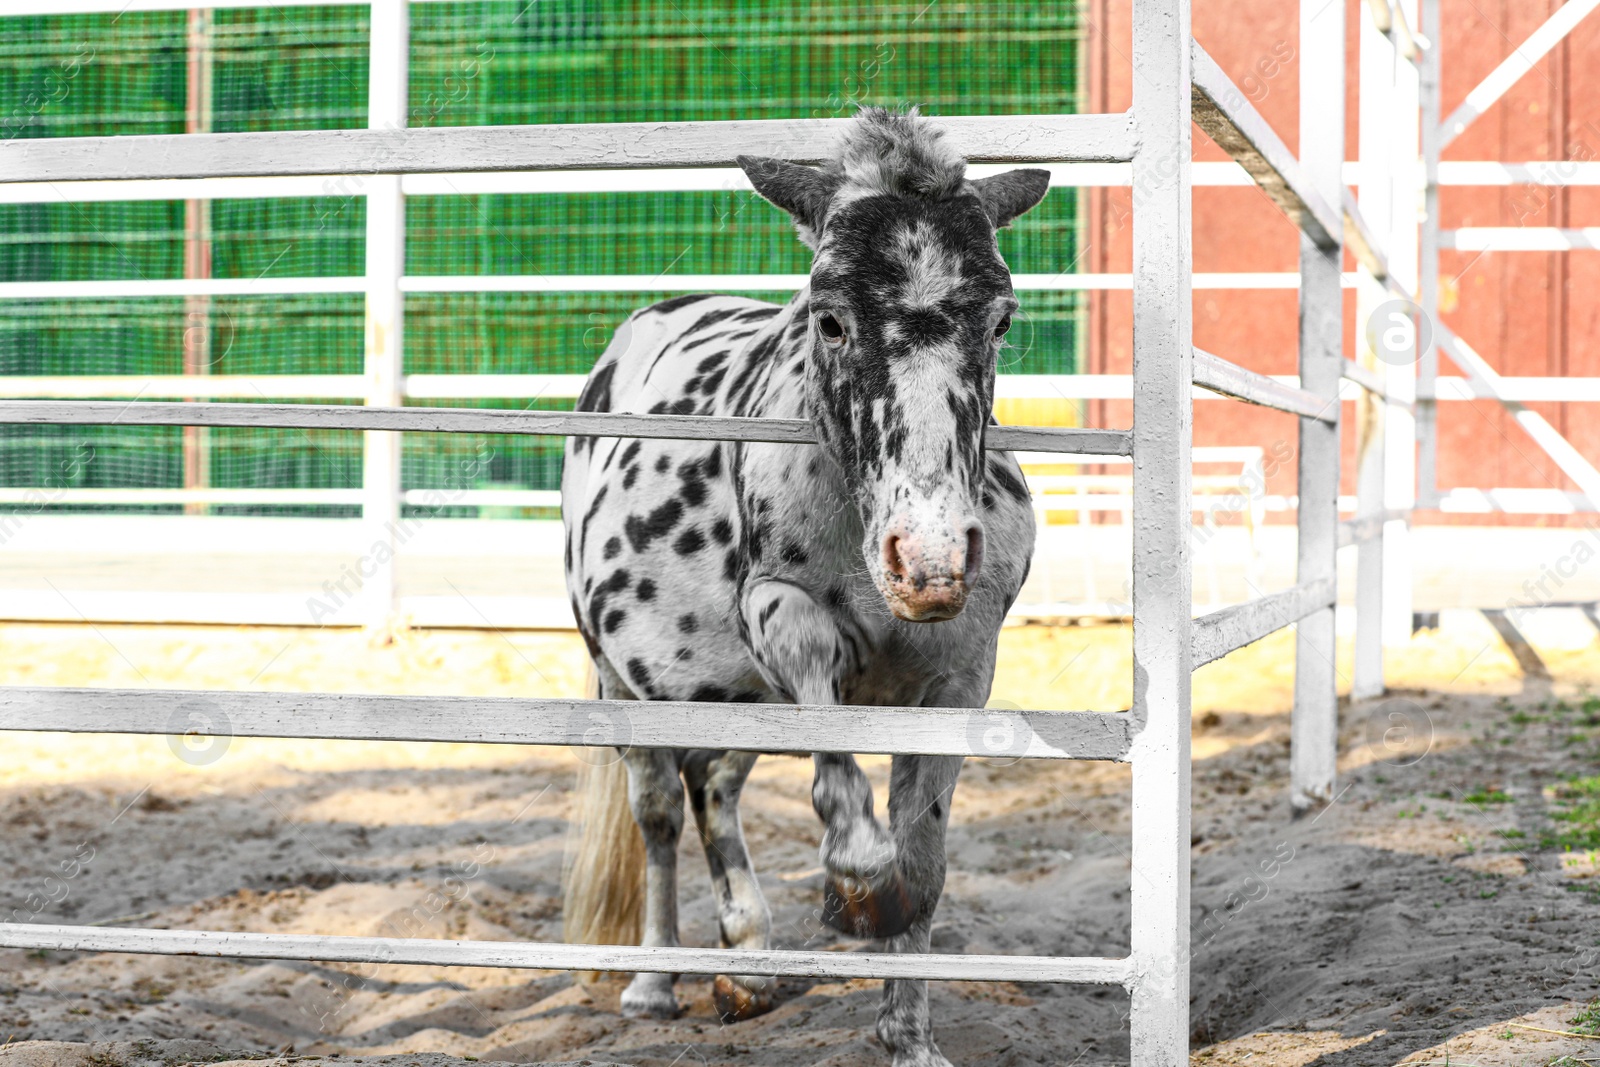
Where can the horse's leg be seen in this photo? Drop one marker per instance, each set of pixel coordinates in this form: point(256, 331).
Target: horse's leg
point(656, 795)
point(801, 650)
point(920, 788)
point(716, 780)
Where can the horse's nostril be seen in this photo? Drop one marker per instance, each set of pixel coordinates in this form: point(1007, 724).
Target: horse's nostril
point(974, 553)
point(891, 556)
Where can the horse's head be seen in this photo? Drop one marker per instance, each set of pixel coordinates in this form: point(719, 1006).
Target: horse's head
point(909, 302)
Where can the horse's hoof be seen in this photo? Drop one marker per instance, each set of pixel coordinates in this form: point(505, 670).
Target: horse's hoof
point(736, 1002)
point(650, 997)
point(855, 908)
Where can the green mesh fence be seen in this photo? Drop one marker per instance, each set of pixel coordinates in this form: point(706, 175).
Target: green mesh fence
point(505, 61)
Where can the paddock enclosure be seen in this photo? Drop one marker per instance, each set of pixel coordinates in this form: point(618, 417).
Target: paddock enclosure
point(1151, 465)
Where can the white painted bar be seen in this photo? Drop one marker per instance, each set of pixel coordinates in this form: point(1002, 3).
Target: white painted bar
point(1484, 379)
point(1370, 528)
point(1552, 172)
point(1410, 279)
point(1010, 139)
point(122, 289)
point(1520, 239)
point(1226, 174)
point(1314, 723)
point(11, 8)
point(1163, 421)
point(1522, 59)
point(383, 321)
point(209, 387)
point(1230, 120)
point(1360, 239)
point(1221, 632)
point(1463, 501)
point(125, 288)
point(497, 420)
point(35, 497)
point(1379, 62)
point(559, 957)
point(566, 386)
point(1230, 379)
point(549, 721)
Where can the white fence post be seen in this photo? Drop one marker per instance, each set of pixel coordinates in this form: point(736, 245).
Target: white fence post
point(1163, 416)
point(1314, 728)
point(1427, 421)
point(385, 264)
point(1378, 60)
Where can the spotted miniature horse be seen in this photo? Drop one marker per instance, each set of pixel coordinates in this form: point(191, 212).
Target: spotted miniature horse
point(715, 571)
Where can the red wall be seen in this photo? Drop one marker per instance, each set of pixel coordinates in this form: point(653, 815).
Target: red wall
point(1527, 313)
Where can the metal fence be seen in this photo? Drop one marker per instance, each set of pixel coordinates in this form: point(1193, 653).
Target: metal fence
point(1174, 80)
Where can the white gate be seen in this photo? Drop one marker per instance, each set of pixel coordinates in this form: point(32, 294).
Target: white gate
point(1173, 79)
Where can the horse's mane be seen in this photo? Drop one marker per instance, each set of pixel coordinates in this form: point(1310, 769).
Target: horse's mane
point(900, 153)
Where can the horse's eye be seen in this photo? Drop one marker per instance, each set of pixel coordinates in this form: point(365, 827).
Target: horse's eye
point(832, 329)
point(1001, 327)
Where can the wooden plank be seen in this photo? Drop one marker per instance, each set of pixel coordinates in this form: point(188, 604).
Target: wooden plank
point(487, 420)
point(1221, 632)
point(1099, 138)
point(441, 953)
point(1230, 379)
point(552, 721)
point(1230, 120)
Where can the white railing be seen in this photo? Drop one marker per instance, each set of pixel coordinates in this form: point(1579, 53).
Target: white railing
point(1174, 81)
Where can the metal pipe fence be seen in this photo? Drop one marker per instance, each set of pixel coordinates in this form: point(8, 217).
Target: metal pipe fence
point(1174, 81)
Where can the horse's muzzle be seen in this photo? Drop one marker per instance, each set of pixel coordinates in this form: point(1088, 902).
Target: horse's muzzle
point(927, 578)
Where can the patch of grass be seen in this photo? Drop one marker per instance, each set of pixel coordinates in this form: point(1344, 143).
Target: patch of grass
point(1492, 795)
point(1512, 835)
point(1522, 718)
point(1575, 808)
point(1587, 1021)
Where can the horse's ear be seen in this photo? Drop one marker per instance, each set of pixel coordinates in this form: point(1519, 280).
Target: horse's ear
point(803, 192)
point(1007, 195)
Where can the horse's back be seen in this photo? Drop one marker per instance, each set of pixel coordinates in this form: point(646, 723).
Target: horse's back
point(651, 525)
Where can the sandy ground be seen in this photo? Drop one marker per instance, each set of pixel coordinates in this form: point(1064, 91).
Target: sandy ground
point(1424, 917)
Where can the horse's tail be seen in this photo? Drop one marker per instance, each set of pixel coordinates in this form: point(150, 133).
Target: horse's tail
point(602, 875)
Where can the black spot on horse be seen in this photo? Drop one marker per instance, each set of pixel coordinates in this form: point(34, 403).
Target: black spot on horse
point(683, 655)
point(646, 590)
point(711, 362)
point(667, 307)
point(793, 554)
point(639, 675)
point(662, 463)
point(630, 452)
point(722, 530)
point(711, 318)
point(596, 394)
point(709, 693)
point(613, 548)
point(657, 524)
point(687, 623)
point(588, 516)
point(614, 619)
point(689, 542)
point(630, 476)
